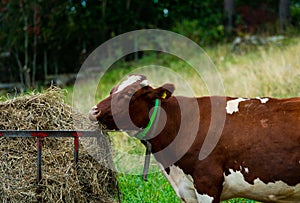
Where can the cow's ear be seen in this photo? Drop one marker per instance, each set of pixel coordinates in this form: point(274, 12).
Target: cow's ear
point(165, 91)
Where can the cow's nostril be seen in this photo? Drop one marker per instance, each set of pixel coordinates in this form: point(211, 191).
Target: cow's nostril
point(94, 113)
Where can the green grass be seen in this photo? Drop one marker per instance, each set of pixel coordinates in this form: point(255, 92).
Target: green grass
point(135, 190)
point(266, 71)
point(156, 189)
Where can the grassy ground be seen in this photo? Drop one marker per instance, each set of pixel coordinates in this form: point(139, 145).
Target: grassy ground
point(262, 71)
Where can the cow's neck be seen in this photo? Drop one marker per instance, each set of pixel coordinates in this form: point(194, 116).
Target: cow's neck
point(152, 124)
point(176, 136)
point(168, 125)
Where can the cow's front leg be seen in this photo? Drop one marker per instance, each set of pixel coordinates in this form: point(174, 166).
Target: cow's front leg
point(208, 183)
point(182, 183)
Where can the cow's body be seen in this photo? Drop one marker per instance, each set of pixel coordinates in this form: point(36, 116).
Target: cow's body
point(257, 155)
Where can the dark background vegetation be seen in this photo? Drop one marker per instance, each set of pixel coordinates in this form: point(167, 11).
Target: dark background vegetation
point(42, 38)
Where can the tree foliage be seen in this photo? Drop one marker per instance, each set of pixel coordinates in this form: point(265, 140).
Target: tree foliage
point(42, 37)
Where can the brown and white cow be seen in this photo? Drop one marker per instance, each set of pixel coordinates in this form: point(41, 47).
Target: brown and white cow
point(256, 157)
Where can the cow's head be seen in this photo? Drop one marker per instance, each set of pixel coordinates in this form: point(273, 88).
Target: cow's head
point(129, 104)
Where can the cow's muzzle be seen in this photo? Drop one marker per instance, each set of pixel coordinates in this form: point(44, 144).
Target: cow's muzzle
point(94, 113)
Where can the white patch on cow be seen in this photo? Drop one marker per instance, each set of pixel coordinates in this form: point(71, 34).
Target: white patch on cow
point(144, 83)
point(245, 169)
point(204, 198)
point(263, 100)
point(235, 185)
point(132, 79)
point(182, 184)
point(233, 105)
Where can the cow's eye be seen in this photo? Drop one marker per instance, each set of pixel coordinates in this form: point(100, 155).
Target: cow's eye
point(127, 95)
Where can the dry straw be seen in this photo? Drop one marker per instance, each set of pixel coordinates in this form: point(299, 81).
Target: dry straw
point(90, 181)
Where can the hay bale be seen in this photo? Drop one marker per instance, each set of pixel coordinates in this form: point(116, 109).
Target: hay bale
point(89, 181)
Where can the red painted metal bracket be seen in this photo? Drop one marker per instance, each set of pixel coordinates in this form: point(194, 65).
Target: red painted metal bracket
point(76, 146)
point(40, 135)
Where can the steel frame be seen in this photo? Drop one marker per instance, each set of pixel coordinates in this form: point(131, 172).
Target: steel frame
point(41, 134)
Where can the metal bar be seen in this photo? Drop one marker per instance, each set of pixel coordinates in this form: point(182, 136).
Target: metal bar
point(49, 133)
point(76, 147)
point(40, 134)
point(147, 160)
point(39, 159)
